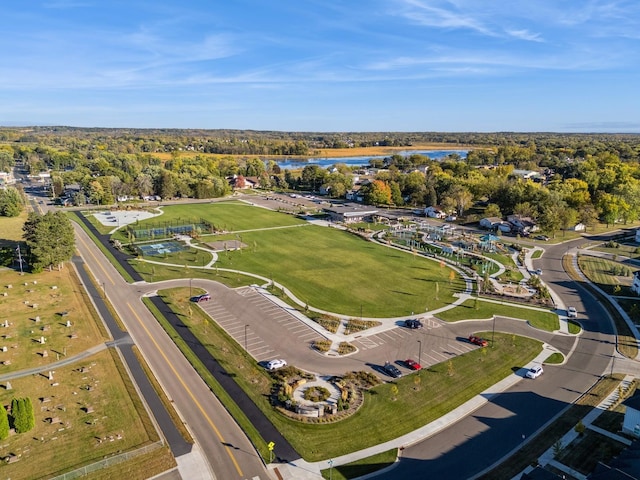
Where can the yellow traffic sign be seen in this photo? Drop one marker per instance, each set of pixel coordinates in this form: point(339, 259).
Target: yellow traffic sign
point(270, 445)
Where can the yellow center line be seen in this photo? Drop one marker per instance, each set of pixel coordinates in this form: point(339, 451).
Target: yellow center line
point(97, 262)
point(195, 400)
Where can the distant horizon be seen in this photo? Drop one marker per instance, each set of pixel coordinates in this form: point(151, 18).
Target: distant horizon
point(594, 132)
point(374, 66)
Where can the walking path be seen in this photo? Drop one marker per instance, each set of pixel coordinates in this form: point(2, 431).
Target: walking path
point(60, 363)
point(303, 470)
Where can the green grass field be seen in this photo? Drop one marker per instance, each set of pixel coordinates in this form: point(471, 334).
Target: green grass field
point(599, 271)
point(11, 228)
point(228, 216)
point(337, 271)
point(472, 309)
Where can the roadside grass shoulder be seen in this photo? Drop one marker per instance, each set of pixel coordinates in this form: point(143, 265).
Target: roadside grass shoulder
point(601, 272)
point(362, 467)
point(228, 353)
point(627, 343)
point(480, 309)
point(562, 424)
point(74, 216)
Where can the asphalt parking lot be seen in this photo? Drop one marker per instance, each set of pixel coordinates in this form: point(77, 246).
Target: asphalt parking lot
point(268, 331)
point(264, 329)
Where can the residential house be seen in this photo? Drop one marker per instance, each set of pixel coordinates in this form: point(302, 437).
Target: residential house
point(522, 224)
point(490, 223)
point(578, 227)
point(528, 175)
point(434, 212)
point(240, 182)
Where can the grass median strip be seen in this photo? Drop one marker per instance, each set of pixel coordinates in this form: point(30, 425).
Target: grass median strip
point(481, 309)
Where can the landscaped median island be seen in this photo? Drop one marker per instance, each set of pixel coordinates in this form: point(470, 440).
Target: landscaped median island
point(481, 308)
point(388, 410)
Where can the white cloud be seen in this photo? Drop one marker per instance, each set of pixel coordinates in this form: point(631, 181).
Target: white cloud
point(525, 35)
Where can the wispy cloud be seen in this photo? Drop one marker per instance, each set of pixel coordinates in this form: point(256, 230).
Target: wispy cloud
point(525, 35)
point(445, 15)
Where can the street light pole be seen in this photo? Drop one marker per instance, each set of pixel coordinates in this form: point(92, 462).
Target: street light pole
point(420, 352)
point(190, 294)
point(493, 332)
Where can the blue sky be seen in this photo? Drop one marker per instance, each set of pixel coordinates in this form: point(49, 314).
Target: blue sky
point(306, 65)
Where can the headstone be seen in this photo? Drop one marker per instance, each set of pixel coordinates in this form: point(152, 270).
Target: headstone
point(4, 348)
point(54, 287)
point(35, 282)
point(42, 340)
point(8, 386)
point(37, 318)
point(45, 354)
point(9, 286)
point(6, 323)
point(68, 323)
point(50, 375)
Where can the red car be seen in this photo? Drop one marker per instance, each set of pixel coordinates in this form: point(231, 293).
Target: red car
point(412, 364)
point(478, 341)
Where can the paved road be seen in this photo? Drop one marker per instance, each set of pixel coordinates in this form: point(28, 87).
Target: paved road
point(503, 424)
point(225, 446)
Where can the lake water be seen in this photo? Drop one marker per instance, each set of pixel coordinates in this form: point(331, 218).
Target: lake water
point(362, 161)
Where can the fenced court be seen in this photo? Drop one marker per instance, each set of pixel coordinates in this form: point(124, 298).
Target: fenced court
point(155, 249)
point(169, 229)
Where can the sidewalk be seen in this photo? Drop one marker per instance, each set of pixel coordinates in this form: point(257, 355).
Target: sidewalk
point(548, 457)
point(302, 470)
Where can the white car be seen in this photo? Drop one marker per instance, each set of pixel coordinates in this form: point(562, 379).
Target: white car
point(538, 271)
point(572, 312)
point(275, 364)
point(534, 372)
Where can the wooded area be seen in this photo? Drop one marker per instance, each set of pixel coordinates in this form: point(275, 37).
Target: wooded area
point(579, 177)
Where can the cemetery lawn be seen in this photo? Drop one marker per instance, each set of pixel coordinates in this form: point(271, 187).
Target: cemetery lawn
point(89, 400)
point(12, 229)
point(41, 310)
point(384, 416)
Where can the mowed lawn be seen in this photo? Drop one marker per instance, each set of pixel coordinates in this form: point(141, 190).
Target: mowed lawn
point(229, 216)
point(333, 270)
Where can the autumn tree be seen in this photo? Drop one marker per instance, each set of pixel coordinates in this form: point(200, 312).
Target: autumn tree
point(377, 192)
